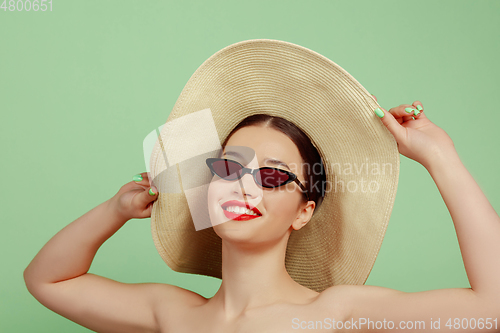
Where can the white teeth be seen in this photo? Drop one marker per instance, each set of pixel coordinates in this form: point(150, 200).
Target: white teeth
point(240, 210)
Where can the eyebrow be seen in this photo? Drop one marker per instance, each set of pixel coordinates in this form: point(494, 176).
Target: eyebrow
point(273, 161)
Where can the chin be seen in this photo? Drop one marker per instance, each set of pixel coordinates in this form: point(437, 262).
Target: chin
point(232, 230)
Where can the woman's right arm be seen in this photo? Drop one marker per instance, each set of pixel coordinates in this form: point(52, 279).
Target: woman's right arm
point(57, 277)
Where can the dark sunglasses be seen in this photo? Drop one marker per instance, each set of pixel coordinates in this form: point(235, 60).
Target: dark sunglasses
point(265, 176)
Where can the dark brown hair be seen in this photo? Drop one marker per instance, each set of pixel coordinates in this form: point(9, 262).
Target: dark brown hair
point(315, 177)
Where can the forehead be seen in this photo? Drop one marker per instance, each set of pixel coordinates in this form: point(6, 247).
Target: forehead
point(266, 142)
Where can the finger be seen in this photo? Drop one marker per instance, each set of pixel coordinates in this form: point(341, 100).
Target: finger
point(392, 125)
point(418, 105)
point(405, 111)
point(374, 97)
point(147, 179)
point(149, 208)
point(408, 118)
point(145, 198)
point(142, 179)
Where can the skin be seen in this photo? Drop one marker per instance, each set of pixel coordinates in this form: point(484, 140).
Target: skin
point(258, 245)
point(257, 294)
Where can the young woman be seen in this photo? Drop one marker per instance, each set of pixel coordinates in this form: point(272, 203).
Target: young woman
point(257, 294)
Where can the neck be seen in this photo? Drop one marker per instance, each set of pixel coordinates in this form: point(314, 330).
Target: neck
point(255, 276)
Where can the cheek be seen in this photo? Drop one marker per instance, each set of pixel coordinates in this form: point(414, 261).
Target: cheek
point(215, 189)
point(282, 206)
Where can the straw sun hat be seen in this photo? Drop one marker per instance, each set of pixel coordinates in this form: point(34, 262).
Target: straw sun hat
point(340, 243)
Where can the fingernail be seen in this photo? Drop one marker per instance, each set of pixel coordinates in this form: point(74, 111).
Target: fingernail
point(137, 178)
point(379, 112)
point(151, 191)
point(419, 108)
point(417, 112)
point(409, 110)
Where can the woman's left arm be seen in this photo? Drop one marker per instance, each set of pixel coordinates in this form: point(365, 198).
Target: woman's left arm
point(476, 223)
point(478, 232)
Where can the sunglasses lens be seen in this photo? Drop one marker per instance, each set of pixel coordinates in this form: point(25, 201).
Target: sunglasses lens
point(266, 177)
point(272, 177)
point(226, 169)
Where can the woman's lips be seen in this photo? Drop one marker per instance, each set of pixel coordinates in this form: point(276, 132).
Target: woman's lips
point(239, 217)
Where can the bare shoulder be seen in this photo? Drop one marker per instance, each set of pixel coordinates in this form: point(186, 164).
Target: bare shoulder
point(336, 301)
point(174, 307)
point(346, 298)
point(348, 291)
point(170, 296)
point(403, 310)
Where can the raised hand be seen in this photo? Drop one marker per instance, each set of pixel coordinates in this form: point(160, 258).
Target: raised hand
point(417, 137)
point(135, 199)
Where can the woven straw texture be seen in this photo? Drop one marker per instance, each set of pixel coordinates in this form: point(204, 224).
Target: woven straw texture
point(341, 242)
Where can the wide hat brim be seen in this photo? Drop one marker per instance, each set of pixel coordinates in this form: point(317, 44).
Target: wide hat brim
point(340, 243)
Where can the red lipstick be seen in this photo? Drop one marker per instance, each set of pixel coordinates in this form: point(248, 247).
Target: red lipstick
point(238, 216)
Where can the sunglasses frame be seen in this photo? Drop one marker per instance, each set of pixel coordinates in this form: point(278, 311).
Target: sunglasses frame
point(253, 172)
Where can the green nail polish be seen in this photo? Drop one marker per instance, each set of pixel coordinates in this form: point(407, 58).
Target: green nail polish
point(416, 112)
point(379, 112)
point(419, 108)
point(137, 178)
point(151, 192)
point(409, 110)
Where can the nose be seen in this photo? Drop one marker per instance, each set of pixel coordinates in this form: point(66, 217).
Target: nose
point(246, 186)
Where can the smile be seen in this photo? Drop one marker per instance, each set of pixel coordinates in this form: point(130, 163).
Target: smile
point(239, 211)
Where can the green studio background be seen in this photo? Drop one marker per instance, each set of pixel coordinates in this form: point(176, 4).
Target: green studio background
point(82, 85)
